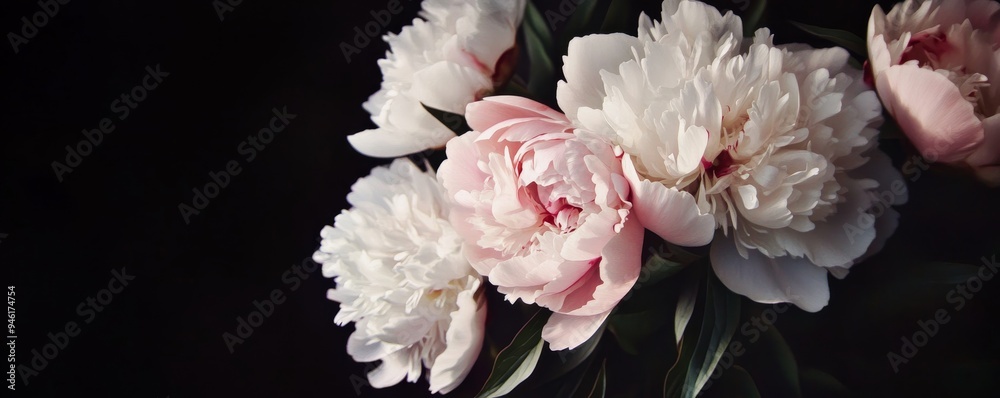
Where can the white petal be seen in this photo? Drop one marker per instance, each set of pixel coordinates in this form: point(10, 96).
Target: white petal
point(392, 371)
point(365, 349)
point(770, 280)
point(449, 87)
point(464, 340)
point(586, 57)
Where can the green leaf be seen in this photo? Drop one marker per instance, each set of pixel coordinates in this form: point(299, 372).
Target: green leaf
point(565, 386)
point(535, 22)
point(516, 362)
point(816, 383)
point(843, 38)
point(597, 388)
point(772, 364)
point(452, 121)
point(685, 309)
point(658, 268)
point(736, 382)
point(754, 18)
point(631, 329)
point(619, 17)
point(701, 348)
point(582, 21)
point(538, 40)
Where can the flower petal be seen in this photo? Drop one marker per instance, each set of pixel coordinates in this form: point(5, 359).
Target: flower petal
point(383, 143)
point(491, 111)
point(464, 340)
point(617, 272)
point(986, 158)
point(364, 349)
point(392, 371)
point(448, 87)
point(568, 331)
point(770, 280)
point(931, 110)
point(586, 57)
point(672, 214)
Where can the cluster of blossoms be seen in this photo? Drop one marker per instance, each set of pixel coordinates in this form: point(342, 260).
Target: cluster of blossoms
point(766, 152)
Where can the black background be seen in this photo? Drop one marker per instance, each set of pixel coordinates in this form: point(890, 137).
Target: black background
point(162, 336)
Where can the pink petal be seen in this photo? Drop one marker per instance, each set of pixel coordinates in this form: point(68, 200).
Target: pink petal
point(568, 331)
point(586, 242)
point(673, 215)
point(460, 171)
point(986, 159)
point(531, 270)
point(932, 112)
point(879, 57)
point(485, 114)
point(617, 272)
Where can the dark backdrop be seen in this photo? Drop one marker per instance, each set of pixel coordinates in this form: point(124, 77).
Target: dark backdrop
point(66, 234)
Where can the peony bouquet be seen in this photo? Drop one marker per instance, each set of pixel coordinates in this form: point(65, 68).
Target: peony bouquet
point(556, 202)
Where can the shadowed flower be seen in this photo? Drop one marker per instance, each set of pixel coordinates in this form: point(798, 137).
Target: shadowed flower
point(402, 279)
point(935, 64)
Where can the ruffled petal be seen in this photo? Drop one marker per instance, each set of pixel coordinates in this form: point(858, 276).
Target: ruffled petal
point(464, 340)
point(672, 214)
point(617, 272)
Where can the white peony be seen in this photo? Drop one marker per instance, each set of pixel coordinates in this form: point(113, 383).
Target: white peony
point(402, 279)
point(773, 147)
point(458, 53)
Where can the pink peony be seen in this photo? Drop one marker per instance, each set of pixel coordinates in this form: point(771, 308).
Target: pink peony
point(544, 210)
point(936, 67)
